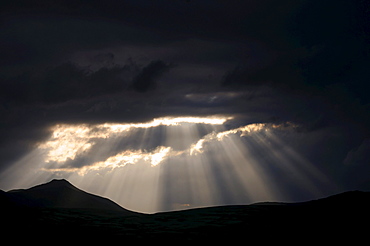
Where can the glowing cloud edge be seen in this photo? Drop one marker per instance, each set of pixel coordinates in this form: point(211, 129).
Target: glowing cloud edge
point(68, 140)
point(161, 153)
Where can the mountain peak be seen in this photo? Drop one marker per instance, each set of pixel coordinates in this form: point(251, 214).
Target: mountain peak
point(59, 181)
point(54, 184)
point(59, 193)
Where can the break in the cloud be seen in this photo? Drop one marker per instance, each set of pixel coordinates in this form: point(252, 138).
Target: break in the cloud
point(71, 145)
point(84, 151)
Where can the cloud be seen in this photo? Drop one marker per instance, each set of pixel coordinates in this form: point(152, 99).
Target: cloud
point(63, 83)
point(68, 81)
point(85, 148)
point(304, 62)
point(280, 72)
point(326, 45)
point(357, 167)
point(81, 145)
point(359, 155)
point(147, 78)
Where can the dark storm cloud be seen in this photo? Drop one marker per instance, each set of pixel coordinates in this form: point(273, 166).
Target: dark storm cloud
point(146, 79)
point(68, 81)
point(88, 62)
point(324, 64)
point(281, 71)
point(328, 44)
point(356, 168)
point(62, 27)
point(63, 83)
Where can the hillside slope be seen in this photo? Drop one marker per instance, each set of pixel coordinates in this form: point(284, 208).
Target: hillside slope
point(60, 194)
point(60, 210)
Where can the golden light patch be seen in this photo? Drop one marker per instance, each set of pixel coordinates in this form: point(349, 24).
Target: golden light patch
point(68, 141)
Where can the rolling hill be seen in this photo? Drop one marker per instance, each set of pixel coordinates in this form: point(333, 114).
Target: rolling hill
point(60, 210)
point(60, 194)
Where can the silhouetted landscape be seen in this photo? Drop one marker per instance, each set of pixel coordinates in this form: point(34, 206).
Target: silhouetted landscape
point(61, 211)
point(253, 116)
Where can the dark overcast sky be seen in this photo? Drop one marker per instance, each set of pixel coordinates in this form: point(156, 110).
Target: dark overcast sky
point(299, 61)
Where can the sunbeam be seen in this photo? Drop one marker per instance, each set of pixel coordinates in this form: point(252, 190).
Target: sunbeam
point(69, 141)
point(173, 163)
point(168, 105)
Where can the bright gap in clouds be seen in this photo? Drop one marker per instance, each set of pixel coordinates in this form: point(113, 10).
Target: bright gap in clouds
point(70, 141)
point(168, 162)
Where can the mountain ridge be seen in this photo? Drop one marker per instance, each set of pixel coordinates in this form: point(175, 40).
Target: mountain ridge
point(59, 193)
point(55, 186)
point(344, 213)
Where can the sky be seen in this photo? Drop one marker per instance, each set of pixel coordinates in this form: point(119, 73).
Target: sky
point(174, 104)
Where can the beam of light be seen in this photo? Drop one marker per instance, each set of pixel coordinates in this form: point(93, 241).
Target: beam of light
point(216, 170)
point(132, 157)
point(221, 169)
point(197, 147)
point(242, 173)
point(242, 131)
point(127, 157)
point(292, 167)
point(67, 141)
point(166, 121)
point(186, 178)
point(25, 172)
point(198, 162)
point(309, 176)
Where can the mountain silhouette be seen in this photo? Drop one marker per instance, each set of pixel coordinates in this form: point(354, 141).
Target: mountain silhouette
point(59, 194)
point(58, 208)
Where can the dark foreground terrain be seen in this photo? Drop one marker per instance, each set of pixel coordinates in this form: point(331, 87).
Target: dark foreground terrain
point(60, 212)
